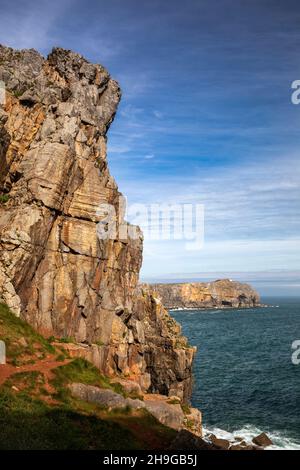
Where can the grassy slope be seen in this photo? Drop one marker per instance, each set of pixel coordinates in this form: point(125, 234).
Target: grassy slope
point(38, 412)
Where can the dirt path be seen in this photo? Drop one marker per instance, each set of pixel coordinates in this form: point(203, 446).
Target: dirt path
point(45, 366)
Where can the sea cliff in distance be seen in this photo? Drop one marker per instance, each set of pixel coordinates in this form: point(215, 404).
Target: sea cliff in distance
point(223, 293)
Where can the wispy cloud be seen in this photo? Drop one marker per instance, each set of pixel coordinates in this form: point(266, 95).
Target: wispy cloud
point(252, 217)
point(205, 116)
point(225, 255)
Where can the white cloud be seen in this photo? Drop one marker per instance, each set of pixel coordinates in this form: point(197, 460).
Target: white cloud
point(252, 217)
point(163, 258)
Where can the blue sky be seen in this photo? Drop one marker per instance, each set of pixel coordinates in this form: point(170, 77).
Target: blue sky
point(206, 116)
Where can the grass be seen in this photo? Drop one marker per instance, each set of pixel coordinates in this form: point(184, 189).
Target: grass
point(66, 339)
point(13, 331)
point(80, 370)
point(174, 401)
point(37, 411)
point(18, 93)
point(29, 423)
point(4, 198)
point(185, 408)
point(60, 357)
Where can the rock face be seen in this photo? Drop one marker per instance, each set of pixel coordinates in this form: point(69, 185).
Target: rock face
point(221, 294)
point(55, 190)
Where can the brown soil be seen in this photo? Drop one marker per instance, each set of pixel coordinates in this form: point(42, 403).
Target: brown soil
point(45, 366)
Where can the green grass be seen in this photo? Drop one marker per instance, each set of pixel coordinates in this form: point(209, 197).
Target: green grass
point(28, 380)
point(18, 93)
point(185, 408)
point(80, 371)
point(29, 423)
point(60, 357)
point(4, 198)
point(36, 413)
point(12, 330)
point(174, 401)
point(66, 339)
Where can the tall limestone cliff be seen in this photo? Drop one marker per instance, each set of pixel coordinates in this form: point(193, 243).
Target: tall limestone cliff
point(223, 293)
point(55, 271)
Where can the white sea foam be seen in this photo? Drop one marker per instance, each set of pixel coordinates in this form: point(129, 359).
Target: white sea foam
point(280, 442)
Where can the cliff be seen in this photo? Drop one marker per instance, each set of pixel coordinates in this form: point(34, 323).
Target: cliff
point(55, 271)
point(223, 293)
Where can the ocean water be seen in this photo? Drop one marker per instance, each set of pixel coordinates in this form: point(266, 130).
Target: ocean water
point(245, 381)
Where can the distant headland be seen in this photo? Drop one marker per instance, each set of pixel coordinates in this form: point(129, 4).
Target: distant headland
point(222, 293)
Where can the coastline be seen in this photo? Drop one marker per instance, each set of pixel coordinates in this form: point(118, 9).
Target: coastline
point(176, 309)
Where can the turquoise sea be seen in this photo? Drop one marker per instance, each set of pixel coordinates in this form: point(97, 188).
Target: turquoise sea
point(245, 381)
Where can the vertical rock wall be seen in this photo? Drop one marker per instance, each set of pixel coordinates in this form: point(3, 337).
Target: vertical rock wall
point(54, 180)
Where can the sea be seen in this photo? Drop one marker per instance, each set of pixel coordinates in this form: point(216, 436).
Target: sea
point(245, 381)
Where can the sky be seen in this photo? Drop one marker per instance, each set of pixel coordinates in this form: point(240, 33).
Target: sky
point(206, 118)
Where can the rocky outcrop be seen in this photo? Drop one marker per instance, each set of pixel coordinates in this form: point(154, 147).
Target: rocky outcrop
point(167, 412)
point(56, 190)
point(223, 293)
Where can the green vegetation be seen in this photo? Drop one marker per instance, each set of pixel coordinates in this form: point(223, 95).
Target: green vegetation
point(4, 198)
point(23, 344)
point(79, 370)
point(185, 408)
point(26, 381)
point(60, 357)
point(18, 93)
point(189, 424)
point(174, 401)
point(30, 423)
point(37, 410)
point(66, 339)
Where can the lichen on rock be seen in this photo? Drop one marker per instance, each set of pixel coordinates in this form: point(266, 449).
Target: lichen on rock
point(55, 272)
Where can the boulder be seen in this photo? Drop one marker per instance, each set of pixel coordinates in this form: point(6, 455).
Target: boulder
point(242, 445)
point(262, 440)
point(185, 440)
point(169, 415)
point(103, 397)
point(222, 444)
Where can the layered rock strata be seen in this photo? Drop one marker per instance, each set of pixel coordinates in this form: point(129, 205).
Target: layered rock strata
point(223, 293)
point(56, 272)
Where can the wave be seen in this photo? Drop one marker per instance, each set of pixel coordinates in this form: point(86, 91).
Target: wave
point(280, 441)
